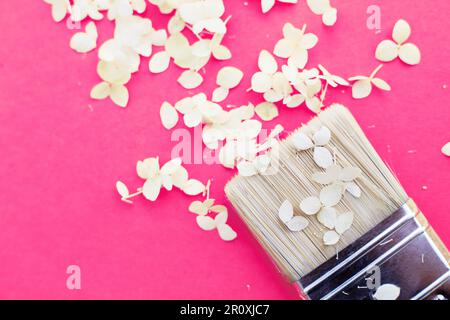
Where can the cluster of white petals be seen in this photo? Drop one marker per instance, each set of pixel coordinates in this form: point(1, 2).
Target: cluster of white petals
point(336, 181)
point(171, 174)
point(233, 131)
point(293, 84)
point(203, 209)
point(134, 37)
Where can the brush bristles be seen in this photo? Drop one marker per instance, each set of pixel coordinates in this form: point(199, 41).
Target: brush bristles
point(258, 198)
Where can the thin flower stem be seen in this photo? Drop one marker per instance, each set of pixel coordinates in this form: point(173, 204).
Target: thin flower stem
point(376, 71)
point(137, 193)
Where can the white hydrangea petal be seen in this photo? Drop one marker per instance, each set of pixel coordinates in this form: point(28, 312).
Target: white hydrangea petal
point(159, 62)
point(353, 189)
point(148, 168)
point(361, 89)
point(330, 238)
point(286, 211)
point(218, 208)
point(221, 53)
point(198, 207)
point(314, 104)
point(122, 189)
point(151, 188)
point(299, 58)
point(387, 292)
point(175, 24)
point(167, 182)
point(83, 42)
point(206, 223)
point(169, 115)
point(190, 79)
point(297, 223)
point(301, 141)
point(318, 7)
point(180, 177)
point(409, 53)
point(119, 95)
point(343, 222)
point(446, 149)
point(327, 216)
point(310, 205)
point(261, 82)
point(221, 217)
point(193, 187)
point(250, 129)
point(267, 111)
point(246, 169)
point(283, 48)
point(386, 51)
point(100, 91)
point(331, 195)
point(262, 163)
point(329, 18)
point(266, 5)
point(381, 84)
point(59, 9)
point(177, 46)
point(267, 63)
point(323, 157)
point(227, 155)
point(309, 40)
point(171, 166)
point(229, 77)
point(327, 177)
point(295, 100)
point(226, 233)
point(219, 94)
point(401, 32)
point(322, 136)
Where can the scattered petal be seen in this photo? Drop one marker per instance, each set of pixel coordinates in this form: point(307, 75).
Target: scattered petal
point(387, 292)
point(193, 187)
point(327, 217)
point(229, 77)
point(286, 211)
point(446, 149)
point(401, 31)
point(190, 79)
point(361, 89)
point(226, 233)
point(409, 53)
point(343, 222)
point(331, 195)
point(169, 115)
point(386, 51)
point(206, 223)
point(267, 111)
point(330, 238)
point(323, 157)
point(122, 189)
point(322, 136)
point(297, 223)
point(353, 189)
point(310, 205)
point(219, 94)
point(159, 62)
point(301, 141)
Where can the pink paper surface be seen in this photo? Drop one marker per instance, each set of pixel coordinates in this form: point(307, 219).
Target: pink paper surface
point(61, 153)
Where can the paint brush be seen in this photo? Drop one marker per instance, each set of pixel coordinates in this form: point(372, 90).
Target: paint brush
point(373, 243)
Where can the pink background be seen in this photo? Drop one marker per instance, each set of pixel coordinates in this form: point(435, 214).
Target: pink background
point(61, 153)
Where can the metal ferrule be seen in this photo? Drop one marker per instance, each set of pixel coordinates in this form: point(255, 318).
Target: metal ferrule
point(402, 250)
